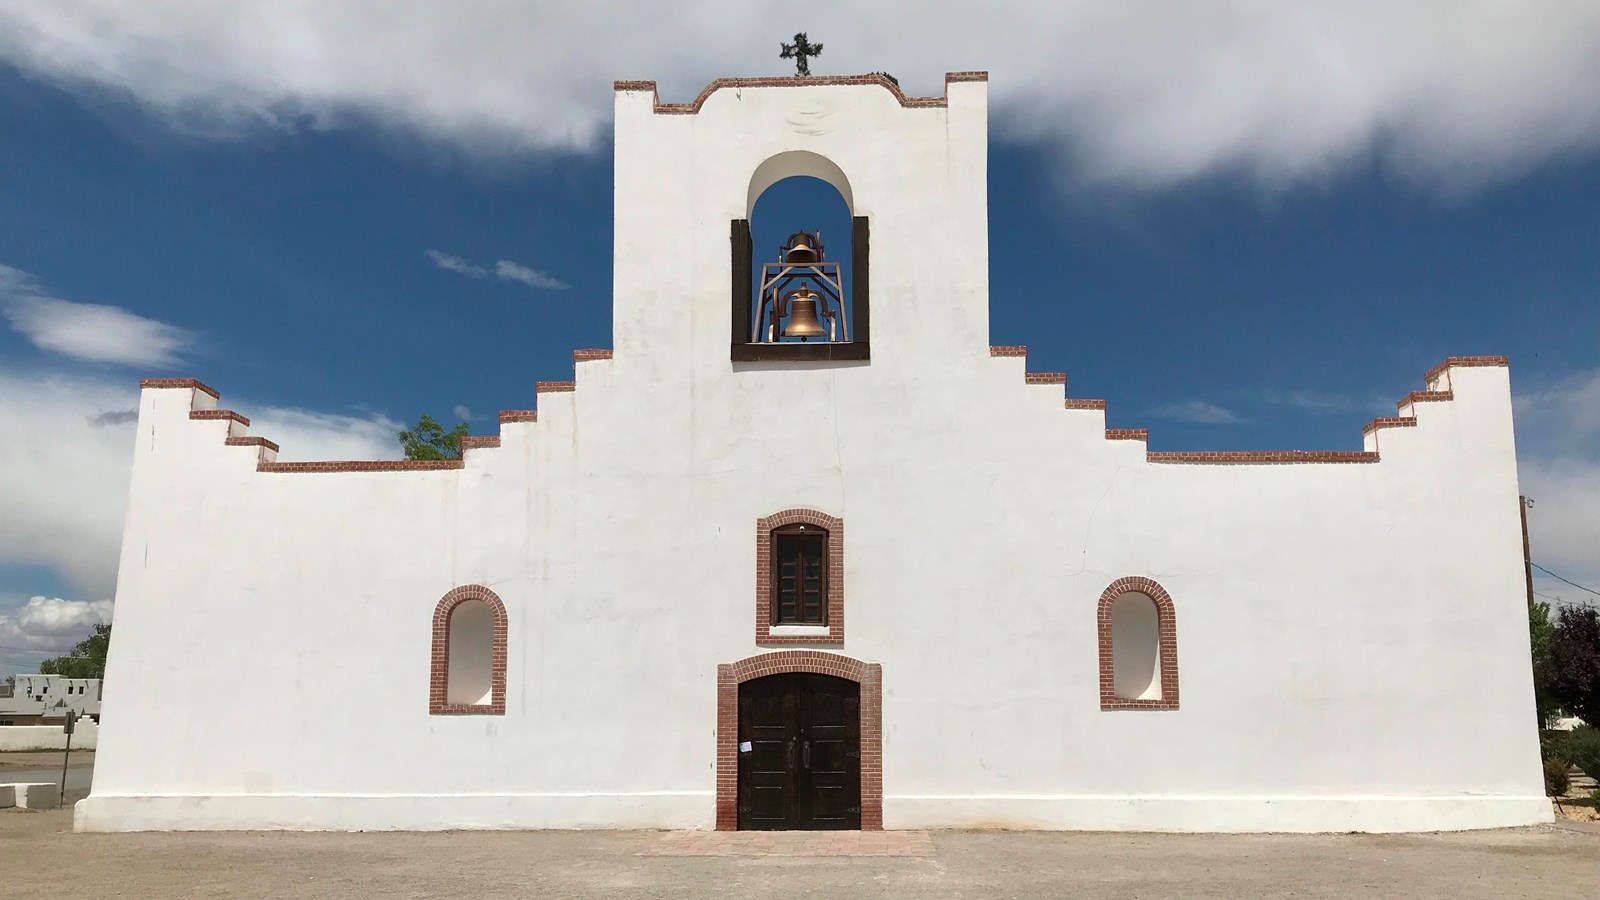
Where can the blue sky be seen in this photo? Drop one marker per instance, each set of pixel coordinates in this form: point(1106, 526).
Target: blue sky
point(1250, 299)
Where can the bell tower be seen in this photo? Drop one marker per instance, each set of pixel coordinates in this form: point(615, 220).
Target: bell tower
point(912, 171)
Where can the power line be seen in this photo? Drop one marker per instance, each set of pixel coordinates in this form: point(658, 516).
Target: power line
point(1559, 578)
point(43, 652)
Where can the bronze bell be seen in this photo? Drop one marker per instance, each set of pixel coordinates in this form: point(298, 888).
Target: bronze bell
point(803, 321)
point(802, 248)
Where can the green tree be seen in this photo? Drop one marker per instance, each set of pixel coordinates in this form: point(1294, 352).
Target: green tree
point(1541, 631)
point(87, 659)
point(1575, 662)
point(429, 440)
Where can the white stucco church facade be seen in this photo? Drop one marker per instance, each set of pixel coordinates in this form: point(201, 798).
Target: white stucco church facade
point(815, 554)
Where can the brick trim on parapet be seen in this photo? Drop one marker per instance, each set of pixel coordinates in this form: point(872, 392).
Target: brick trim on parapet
point(362, 465)
point(1318, 456)
point(1167, 639)
point(554, 387)
point(178, 383)
point(1423, 397)
point(1014, 350)
point(439, 664)
point(731, 675)
point(1388, 422)
point(251, 442)
point(1261, 456)
point(202, 414)
point(1127, 434)
point(689, 109)
point(518, 415)
point(1451, 362)
point(1045, 378)
point(834, 526)
point(1077, 403)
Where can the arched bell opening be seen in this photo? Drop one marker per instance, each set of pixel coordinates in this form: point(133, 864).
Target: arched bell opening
point(800, 264)
point(800, 229)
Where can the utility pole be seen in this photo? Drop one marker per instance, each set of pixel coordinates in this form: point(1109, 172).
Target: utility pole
point(72, 718)
point(1527, 558)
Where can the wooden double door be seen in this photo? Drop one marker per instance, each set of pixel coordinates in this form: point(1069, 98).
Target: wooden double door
point(799, 753)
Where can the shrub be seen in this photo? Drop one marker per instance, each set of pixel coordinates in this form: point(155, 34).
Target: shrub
point(1555, 777)
point(1582, 747)
point(1594, 797)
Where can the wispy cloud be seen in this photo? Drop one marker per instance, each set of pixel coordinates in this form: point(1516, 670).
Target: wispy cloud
point(1198, 411)
point(1315, 402)
point(462, 412)
point(505, 270)
point(456, 264)
point(87, 331)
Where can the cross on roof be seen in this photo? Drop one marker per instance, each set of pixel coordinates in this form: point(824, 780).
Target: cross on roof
point(801, 52)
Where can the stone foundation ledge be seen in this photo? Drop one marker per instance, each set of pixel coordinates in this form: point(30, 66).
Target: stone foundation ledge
point(1373, 814)
point(695, 810)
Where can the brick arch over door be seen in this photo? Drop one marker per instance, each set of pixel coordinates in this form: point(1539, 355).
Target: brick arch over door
point(439, 677)
point(1167, 643)
point(868, 675)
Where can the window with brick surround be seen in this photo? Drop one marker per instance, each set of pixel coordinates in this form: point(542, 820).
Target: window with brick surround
point(469, 654)
point(1138, 641)
point(799, 578)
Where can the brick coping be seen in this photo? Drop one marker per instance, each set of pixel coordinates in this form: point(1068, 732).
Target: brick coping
point(1262, 456)
point(682, 109)
point(578, 356)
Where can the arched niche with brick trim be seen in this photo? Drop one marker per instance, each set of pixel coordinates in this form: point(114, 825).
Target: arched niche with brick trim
point(468, 674)
point(768, 632)
point(868, 675)
point(1138, 638)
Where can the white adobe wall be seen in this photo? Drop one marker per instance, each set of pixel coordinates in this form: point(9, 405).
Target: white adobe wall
point(1352, 638)
point(48, 737)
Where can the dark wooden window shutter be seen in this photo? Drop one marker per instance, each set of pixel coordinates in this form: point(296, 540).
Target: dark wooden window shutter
point(743, 281)
point(800, 576)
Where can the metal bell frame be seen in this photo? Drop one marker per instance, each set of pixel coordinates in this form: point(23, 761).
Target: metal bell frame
point(803, 260)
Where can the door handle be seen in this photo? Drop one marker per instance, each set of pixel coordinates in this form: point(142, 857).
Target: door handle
point(790, 753)
point(805, 755)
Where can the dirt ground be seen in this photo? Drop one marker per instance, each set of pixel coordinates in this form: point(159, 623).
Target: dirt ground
point(38, 851)
point(33, 759)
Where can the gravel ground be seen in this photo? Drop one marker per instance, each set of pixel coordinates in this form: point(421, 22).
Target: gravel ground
point(39, 856)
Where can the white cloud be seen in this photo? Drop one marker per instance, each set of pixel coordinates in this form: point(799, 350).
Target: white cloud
point(1558, 464)
point(506, 270)
point(1200, 412)
point(307, 435)
point(86, 330)
point(1449, 93)
point(456, 264)
point(52, 624)
point(461, 412)
point(64, 508)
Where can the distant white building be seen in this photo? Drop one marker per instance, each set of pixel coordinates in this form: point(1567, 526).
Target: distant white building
point(44, 699)
point(638, 606)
